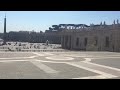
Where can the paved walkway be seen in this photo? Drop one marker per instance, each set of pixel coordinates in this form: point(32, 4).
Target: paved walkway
point(59, 65)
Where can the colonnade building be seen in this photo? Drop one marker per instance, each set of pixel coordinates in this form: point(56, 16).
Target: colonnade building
point(100, 37)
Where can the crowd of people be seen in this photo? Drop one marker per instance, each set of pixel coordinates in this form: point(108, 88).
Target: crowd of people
point(18, 46)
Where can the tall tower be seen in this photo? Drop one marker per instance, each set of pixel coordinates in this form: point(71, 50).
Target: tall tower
point(4, 30)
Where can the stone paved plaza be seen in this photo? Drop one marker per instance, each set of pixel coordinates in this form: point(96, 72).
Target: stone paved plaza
point(59, 65)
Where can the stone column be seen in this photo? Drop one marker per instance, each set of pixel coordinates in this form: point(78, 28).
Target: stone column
point(71, 42)
point(64, 42)
point(68, 43)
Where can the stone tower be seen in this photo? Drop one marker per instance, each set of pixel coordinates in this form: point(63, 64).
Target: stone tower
point(4, 30)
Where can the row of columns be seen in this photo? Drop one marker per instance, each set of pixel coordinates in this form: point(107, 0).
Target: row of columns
point(66, 42)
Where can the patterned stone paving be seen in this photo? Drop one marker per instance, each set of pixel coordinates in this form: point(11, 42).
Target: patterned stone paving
point(59, 65)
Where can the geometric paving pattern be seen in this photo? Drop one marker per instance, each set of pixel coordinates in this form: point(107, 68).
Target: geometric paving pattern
point(59, 65)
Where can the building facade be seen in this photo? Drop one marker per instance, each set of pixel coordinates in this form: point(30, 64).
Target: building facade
point(100, 37)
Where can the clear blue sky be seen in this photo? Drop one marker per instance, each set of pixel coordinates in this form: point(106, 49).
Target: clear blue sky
point(42, 20)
